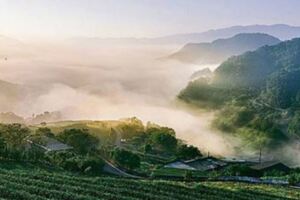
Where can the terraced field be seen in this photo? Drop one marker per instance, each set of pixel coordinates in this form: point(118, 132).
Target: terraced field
point(27, 184)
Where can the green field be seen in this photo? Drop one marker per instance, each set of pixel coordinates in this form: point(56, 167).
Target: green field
point(18, 181)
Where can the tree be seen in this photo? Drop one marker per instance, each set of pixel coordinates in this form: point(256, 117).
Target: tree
point(79, 139)
point(293, 179)
point(14, 135)
point(188, 175)
point(147, 148)
point(131, 127)
point(91, 165)
point(163, 137)
point(2, 146)
point(188, 152)
point(44, 131)
point(294, 125)
point(126, 158)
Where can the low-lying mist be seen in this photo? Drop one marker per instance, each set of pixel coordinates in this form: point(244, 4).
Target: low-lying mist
point(100, 82)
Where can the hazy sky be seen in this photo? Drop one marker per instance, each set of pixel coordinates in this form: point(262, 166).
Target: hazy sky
point(137, 18)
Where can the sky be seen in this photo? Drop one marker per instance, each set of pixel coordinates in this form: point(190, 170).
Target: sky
point(137, 18)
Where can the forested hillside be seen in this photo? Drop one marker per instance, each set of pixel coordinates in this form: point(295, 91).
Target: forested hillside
point(258, 93)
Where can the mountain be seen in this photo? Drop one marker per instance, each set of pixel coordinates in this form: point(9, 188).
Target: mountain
point(8, 89)
point(10, 117)
point(273, 69)
point(221, 49)
point(253, 69)
point(11, 48)
point(281, 31)
point(273, 72)
point(203, 73)
point(7, 41)
point(257, 94)
point(10, 95)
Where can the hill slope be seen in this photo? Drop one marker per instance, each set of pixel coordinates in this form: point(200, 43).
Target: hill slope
point(258, 92)
point(221, 49)
point(10, 94)
point(30, 183)
point(273, 69)
point(270, 70)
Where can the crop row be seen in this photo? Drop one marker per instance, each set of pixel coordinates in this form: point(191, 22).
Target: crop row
point(51, 186)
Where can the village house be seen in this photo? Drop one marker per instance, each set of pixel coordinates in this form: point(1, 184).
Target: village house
point(179, 165)
point(47, 144)
point(199, 164)
point(206, 164)
point(263, 167)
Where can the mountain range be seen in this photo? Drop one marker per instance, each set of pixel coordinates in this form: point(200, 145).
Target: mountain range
point(281, 31)
point(221, 49)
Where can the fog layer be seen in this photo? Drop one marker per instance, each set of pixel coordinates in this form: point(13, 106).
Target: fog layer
point(85, 81)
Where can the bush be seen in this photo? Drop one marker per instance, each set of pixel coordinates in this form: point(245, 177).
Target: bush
point(126, 158)
point(77, 163)
point(188, 152)
point(80, 140)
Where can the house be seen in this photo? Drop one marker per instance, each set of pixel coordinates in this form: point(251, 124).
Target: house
point(206, 164)
point(47, 144)
point(199, 164)
point(178, 165)
point(261, 168)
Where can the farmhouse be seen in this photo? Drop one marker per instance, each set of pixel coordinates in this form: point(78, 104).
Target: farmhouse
point(206, 164)
point(47, 144)
point(199, 164)
point(178, 165)
point(263, 167)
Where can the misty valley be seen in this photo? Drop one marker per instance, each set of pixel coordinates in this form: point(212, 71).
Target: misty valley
point(212, 114)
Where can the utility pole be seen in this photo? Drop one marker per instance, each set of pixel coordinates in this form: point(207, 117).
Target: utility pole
point(260, 154)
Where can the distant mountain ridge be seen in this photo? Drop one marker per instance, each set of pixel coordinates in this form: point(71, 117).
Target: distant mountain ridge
point(281, 31)
point(221, 49)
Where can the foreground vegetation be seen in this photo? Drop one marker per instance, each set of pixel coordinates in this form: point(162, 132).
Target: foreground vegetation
point(18, 182)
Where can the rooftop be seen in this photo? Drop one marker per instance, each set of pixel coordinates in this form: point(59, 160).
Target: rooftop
point(179, 165)
point(49, 144)
point(264, 165)
point(204, 164)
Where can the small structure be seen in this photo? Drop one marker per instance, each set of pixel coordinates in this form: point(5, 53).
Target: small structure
point(179, 165)
point(199, 164)
point(206, 164)
point(47, 144)
point(263, 167)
